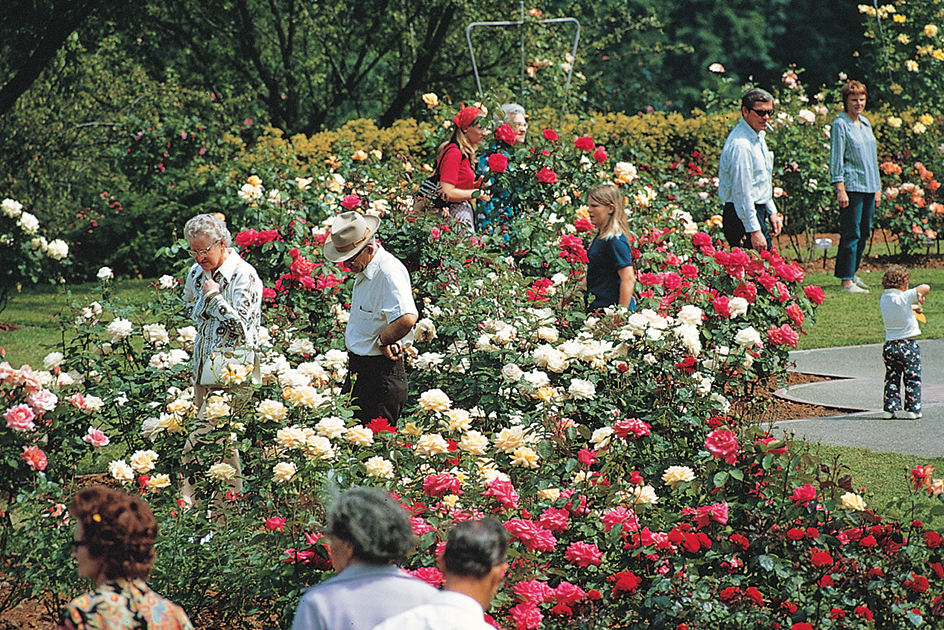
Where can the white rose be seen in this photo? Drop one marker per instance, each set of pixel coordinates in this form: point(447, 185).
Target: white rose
point(537, 379)
point(474, 443)
point(512, 373)
point(119, 329)
point(747, 338)
point(431, 444)
point(738, 306)
point(852, 501)
point(359, 436)
point(58, 249)
point(690, 314)
point(581, 389)
point(271, 410)
point(434, 400)
point(601, 437)
point(28, 223)
point(332, 427)
point(284, 472)
point(379, 467)
point(105, 273)
point(510, 438)
point(53, 360)
point(222, 472)
point(143, 461)
point(11, 208)
point(167, 282)
point(155, 334)
point(548, 334)
point(425, 330)
point(121, 471)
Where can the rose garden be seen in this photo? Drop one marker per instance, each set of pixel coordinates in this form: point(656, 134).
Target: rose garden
point(626, 454)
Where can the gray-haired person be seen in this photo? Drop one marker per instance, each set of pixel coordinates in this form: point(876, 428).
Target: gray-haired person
point(369, 532)
point(474, 566)
point(745, 176)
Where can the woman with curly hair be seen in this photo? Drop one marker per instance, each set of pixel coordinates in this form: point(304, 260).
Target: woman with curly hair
point(114, 548)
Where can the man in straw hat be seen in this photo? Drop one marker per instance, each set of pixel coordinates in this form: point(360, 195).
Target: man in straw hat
point(382, 317)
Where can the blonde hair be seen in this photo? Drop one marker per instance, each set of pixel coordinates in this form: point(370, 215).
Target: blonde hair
point(610, 195)
point(461, 138)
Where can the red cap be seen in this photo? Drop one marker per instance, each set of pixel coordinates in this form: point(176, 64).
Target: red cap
point(466, 117)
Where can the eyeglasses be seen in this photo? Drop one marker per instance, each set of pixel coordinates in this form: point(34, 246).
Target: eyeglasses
point(203, 252)
point(763, 112)
point(75, 544)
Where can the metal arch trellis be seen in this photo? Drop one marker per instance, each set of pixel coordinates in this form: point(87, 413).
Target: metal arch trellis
point(475, 68)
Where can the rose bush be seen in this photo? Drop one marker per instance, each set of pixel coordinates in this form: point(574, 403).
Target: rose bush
point(622, 451)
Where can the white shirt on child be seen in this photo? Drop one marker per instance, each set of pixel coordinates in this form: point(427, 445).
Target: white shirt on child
point(900, 322)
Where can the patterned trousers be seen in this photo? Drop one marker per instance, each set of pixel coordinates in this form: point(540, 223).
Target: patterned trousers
point(902, 363)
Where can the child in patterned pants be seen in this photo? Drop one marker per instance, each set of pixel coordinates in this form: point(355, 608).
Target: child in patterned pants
point(901, 353)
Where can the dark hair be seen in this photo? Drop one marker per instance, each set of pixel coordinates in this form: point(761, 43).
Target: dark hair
point(474, 547)
point(373, 523)
point(896, 277)
point(118, 528)
point(852, 88)
point(755, 95)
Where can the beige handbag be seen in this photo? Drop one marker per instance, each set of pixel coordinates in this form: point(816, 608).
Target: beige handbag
point(228, 367)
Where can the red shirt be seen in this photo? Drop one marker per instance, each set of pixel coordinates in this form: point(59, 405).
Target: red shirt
point(455, 169)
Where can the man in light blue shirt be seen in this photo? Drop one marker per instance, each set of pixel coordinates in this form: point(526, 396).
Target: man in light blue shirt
point(745, 171)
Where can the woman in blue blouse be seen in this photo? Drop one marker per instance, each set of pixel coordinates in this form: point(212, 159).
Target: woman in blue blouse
point(853, 169)
point(610, 277)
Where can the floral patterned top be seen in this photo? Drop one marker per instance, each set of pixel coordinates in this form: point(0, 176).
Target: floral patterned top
point(230, 318)
point(123, 605)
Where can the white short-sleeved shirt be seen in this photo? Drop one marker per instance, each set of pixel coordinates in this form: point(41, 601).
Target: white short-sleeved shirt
point(900, 322)
point(382, 293)
point(448, 610)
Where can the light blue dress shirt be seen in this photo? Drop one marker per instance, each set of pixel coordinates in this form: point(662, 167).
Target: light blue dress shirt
point(745, 173)
point(853, 156)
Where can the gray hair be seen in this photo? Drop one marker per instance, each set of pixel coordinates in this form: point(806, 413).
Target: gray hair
point(375, 525)
point(210, 226)
point(511, 109)
point(474, 547)
point(755, 95)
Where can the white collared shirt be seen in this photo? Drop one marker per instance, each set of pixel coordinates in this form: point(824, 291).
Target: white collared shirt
point(745, 171)
point(382, 293)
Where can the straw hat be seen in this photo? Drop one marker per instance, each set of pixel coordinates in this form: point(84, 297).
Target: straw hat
point(350, 233)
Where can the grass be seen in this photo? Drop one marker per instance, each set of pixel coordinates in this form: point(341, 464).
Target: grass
point(36, 312)
point(851, 319)
point(843, 319)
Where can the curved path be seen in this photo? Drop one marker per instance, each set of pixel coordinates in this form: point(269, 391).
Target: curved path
point(855, 391)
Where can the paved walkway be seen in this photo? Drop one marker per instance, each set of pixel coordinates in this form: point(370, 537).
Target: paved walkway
point(857, 374)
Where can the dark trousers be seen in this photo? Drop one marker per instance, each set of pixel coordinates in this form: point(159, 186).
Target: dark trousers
point(379, 387)
point(733, 227)
point(902, 363)
point(855, 228)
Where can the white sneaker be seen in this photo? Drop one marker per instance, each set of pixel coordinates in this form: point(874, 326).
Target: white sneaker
point(888, 415)
point(853, 288)
point(908, 415)
point(858, 282)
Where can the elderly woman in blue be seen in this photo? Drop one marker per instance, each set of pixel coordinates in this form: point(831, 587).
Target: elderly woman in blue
point(853, 169)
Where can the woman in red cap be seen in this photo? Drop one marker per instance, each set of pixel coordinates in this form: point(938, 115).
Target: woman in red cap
point(455, 158)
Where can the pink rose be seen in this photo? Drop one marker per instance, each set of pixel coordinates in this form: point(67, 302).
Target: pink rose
point(527, 616)
point(633, 428)
point(568, 593)
point(96, 437)
point(349, 202)
point(803, 494)
point(547, 176)
point(532, 536)
point(420, 526)
point(275, 523)
point(554, 519)
point(20, 418)
point(583, 554)
point(302, 267)
point(722, 306)
point(33, 456)
point(600, 155)
point(430, 575)
point(583, 225)
point(584, 143)
point(534, 591)
point(721, 443)
point(247, 238)
point(497, 163)
point(506, 134)
point(814, 294)
point(42, 400)
point(503, 492)
point(440, 484)
point(620, 516)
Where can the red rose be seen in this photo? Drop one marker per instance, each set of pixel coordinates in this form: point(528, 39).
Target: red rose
point(600, 155)
point(864, 612)
point(739, 540)
point(532, 536)
point(917, 583)
point(803, 495)
point(626, 582)
point(722, 306)
point(796, 534)
point(868, 541)
point(302, 267)
point(721, 443)
point(503, 492)
point(549, 134)
point(506, 134)
point(547, 176)
point(275, 523)
point(837, 614)
point(441, 484)
point(497, 163)
point(815, 294)
point(379, 425)
point(796, 314)
point(430, 575)
point(700, 239)
point(801, 625)
point(586, 457)
point(583, 225)
point(527, 616)
point(247, 238)
point(821, 559)
point(584, 143)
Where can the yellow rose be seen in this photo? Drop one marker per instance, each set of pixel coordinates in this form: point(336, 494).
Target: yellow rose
point(525, 457)
point(412, 430)
point(930, 30)
point(549, 494)
point(911, 65)
point(143, 461)
point(459, 420)
point(434, 400)
point(926, 119)
point(852, 501)
point(938, 54)
point(271, 410)
point(159, 482)
point(254, 181)
point(431, 100)
point(379, 467)
point(431, 444)
point(360, 436)
point(222, 472)
point(545, 394)
point(583, 212)
point(898, 17)
point(359, 156)
point(509, 438)
point(474, 443)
